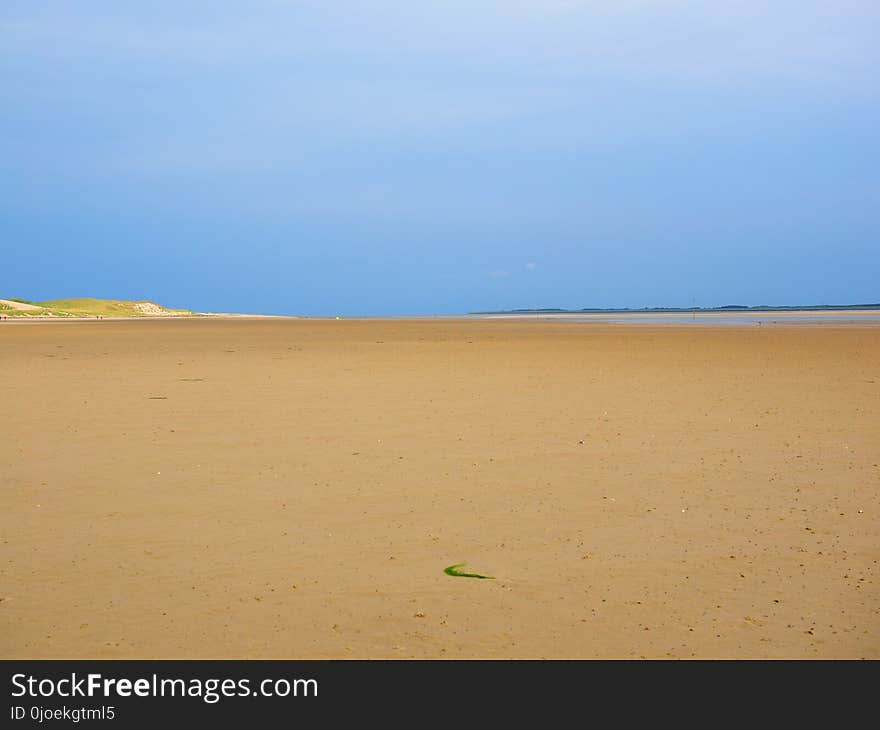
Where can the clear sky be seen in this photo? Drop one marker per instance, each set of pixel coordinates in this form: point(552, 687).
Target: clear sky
point(327, 157)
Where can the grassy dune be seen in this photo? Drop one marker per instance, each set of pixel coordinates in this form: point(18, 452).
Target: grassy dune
point(87, 307)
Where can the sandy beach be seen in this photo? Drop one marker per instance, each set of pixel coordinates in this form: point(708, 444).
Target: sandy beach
point(247, 488)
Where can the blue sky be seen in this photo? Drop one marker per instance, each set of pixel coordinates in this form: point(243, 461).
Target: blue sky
point(390, 157)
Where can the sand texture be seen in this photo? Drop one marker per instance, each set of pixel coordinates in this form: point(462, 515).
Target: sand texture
point(214, 488)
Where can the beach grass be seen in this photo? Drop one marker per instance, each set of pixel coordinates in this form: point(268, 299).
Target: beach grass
point(90, 307)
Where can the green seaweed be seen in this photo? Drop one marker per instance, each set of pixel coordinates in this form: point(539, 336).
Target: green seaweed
point(451, 570)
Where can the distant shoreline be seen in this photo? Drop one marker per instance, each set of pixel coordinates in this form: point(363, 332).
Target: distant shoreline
point(145, 317)
point(704, 317)
point(726, 309)
point(87, 308)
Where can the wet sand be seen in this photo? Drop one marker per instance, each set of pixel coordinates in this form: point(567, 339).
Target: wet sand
point(228, 488)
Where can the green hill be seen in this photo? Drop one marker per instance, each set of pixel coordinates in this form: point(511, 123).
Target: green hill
point(87, 307)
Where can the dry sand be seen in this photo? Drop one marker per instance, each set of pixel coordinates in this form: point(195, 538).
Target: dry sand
point(294, 489)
